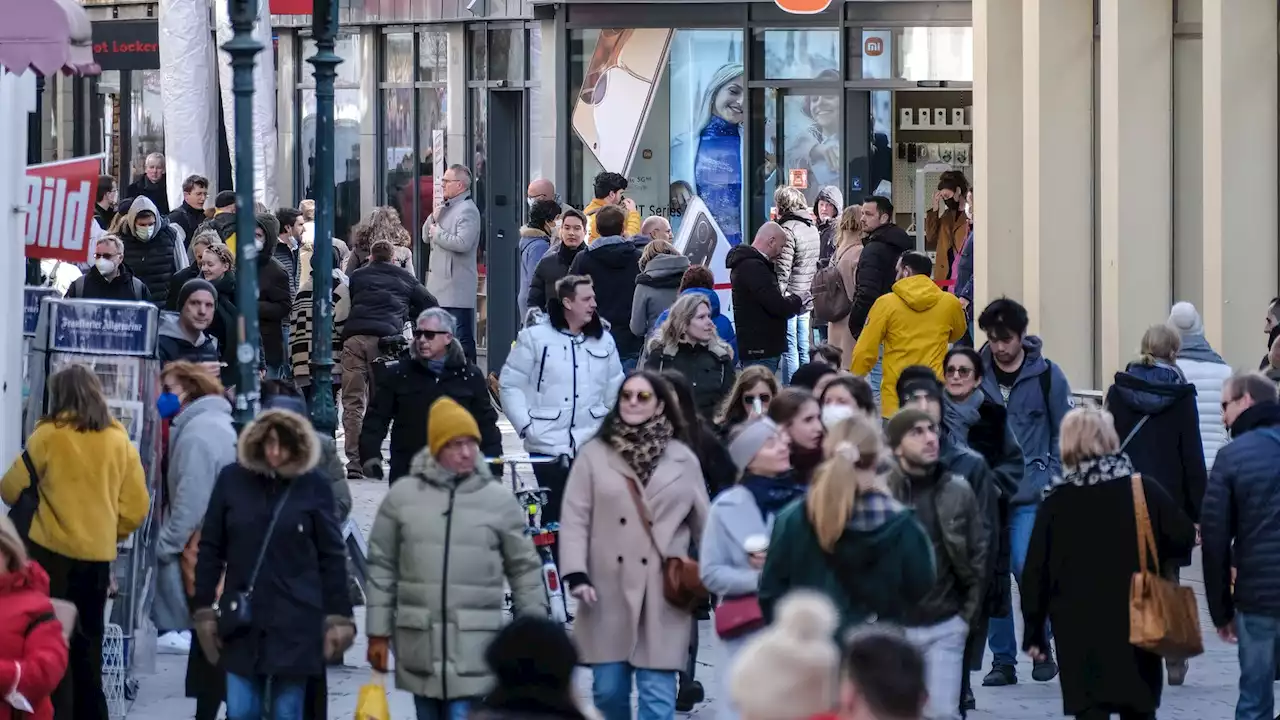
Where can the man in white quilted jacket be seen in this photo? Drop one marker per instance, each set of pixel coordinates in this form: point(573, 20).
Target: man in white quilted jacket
point(1204, 368)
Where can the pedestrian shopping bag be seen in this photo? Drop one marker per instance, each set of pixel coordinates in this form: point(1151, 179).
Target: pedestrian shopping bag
point(371, 704)
point(1163, 618)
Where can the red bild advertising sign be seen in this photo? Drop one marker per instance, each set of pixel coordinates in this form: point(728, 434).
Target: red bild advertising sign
point(291, 7)
point(59, 199)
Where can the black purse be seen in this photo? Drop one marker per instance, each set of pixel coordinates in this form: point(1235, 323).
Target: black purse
point(23, 512)
point(235, 609)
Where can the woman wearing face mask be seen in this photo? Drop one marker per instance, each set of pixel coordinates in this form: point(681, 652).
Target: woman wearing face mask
point(202, 442)
point(798, 414)
point(635, 496)
point(218, 266)
point(946, 225)
point(849, 538)
point(93, 494)
point(687, 343)
point(843, 397)
point(749, 399)
point(735, 542)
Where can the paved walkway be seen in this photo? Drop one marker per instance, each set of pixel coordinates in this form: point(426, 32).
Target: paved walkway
point(1209, 694)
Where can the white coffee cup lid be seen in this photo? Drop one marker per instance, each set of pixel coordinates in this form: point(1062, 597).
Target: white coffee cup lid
point(756, 543)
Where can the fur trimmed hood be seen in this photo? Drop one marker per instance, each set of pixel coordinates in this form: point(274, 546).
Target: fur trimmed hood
point(294, 432)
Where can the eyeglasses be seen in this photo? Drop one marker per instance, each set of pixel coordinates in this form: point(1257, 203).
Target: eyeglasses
point(429, 334)
point(103, 256)
point(640, 396)
point(763, 398)
point(959, 371)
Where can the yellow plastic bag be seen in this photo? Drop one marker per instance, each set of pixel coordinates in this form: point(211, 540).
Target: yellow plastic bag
point(372, 701)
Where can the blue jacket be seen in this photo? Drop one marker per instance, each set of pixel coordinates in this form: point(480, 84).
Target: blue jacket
point(964, 271)
point(1034, 422)
point(1242, 504)
point(724, 326)
point(533, 245)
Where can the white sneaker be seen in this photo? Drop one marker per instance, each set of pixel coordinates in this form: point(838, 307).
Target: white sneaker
point(177, 642)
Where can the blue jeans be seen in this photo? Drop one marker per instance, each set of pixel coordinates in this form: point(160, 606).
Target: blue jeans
point(797, 346)
point(876, 376)
point(1257, 638)
point(1000, 633)
point(466, 335)
point(245, 696)
point(432, 709)
point(611, 690)
point(771, 363)
point(629, 363)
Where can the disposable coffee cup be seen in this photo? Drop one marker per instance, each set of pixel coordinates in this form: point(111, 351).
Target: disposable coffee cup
point(756, 544)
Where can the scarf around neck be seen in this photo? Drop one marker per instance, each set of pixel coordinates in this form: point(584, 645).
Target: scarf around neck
point(959, 416)
point(772, 493)
point(1196, 347)
point(641, 446)
point(1094, 471)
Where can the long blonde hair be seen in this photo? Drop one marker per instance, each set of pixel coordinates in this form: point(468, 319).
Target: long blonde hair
point(674, 329)
point(1160, 343)
point(852, 449)
point(849, 232)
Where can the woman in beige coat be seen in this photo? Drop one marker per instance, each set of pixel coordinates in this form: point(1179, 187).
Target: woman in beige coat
point(613, 565)
point(848, 250)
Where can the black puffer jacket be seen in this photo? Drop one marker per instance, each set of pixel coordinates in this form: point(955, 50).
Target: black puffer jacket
point(156, 259)
point(274, 299)
point(157, 193)
point(187, 218)
point(760, 310)
point(709, 371)
point(124, 286)
point(875, 276)
point(1167, 448)
point(384, 296)
point(550, 270)
point(613, 263)
point(406, 389)
point(1242, 504)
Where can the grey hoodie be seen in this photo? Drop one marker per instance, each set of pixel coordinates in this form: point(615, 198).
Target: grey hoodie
point(656, 290)
point(829, 230)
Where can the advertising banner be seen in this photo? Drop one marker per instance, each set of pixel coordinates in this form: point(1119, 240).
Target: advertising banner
point(31, 297)
point(617, 90)
point(59, 200)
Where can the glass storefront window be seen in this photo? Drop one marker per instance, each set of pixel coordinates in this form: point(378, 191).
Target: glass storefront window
point(147, 120)
point(399, 155)
point(800, 134)
point(348, 111)
point(479, 69)
point(397, 58)
point(479, 119)
point(936, 53)
point(433, 56)
point(808, 54)
point(506, 54)
point(431, 133)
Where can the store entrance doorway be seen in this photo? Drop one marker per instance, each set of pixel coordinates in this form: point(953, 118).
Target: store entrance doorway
point(504, 184)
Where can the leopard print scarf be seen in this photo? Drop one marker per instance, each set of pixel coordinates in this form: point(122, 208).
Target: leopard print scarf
point(641, 446)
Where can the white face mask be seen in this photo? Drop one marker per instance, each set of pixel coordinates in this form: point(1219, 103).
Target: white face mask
point(832, 415)
point(105, 266)
point(145, 232)
point(530, 202)
point(258, 243)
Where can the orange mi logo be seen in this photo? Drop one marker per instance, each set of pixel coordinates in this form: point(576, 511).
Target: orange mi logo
point(803, 7)
point(873, 47)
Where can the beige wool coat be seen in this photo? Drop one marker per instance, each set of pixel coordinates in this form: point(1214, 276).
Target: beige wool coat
point(601, 535)
point(838, 335)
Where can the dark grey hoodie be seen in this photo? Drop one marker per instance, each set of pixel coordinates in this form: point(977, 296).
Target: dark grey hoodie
point(828, 230)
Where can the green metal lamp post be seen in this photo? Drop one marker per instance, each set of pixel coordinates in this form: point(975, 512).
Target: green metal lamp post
point(324, 23)
point(243, 49)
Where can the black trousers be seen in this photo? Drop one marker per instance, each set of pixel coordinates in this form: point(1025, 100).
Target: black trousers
point(85, 585)
point(553, 476)
point(1105, 713)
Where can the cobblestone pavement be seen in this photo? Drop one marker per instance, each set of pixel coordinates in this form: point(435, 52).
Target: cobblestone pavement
point(1209, 694)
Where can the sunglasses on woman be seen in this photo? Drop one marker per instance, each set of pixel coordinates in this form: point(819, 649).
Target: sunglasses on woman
point(959, 371)
point(638, 396)
point(762, 397)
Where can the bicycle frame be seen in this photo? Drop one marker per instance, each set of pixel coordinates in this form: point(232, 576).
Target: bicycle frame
point(533, 499)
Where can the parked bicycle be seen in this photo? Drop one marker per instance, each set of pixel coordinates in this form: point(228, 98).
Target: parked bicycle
point(533, 499)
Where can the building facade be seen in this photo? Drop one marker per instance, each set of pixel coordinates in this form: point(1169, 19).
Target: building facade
point(1122, 151)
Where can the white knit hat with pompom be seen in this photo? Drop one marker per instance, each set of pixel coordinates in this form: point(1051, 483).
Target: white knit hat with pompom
point(790, 670)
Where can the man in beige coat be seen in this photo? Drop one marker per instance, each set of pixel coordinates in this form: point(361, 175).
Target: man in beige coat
point(435, 580)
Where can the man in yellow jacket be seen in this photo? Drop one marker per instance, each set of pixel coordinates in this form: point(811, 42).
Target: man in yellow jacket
point(915, 323)
point(608, 189)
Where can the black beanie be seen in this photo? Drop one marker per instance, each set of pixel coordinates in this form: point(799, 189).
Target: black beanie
point(192, 286)
point(532, 651)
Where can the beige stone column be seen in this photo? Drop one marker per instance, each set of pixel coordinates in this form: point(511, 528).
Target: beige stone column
point(1240, 189)
point(1135, 167)
point(1057, 149)
point(997, 149)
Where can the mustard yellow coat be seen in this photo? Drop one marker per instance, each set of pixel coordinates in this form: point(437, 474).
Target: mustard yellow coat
point(915, 322)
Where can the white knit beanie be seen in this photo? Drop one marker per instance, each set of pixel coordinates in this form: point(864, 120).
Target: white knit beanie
point(1185, 319)
point(789, 670)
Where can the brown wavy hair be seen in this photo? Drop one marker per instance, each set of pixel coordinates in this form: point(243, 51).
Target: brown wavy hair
point(76, 400)
point(732, 412)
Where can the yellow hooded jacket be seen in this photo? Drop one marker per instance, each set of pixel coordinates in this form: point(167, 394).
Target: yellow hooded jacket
point(631, 229)
point(915, 322)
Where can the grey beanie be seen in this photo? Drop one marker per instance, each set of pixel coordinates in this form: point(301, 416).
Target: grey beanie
point(1185, 319)
point(748, 439)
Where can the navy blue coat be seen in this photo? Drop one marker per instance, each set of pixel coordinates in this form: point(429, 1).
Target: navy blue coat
point(303, 577)
point(1242, 504)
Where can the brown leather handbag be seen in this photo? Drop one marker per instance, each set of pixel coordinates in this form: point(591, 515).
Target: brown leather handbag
point(1163, 617)
point(681, 583)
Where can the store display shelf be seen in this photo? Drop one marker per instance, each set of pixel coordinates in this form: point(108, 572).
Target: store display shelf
point(957, 128)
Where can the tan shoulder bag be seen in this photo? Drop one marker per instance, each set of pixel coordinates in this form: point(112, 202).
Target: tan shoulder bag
point(1163, 617)
point(681, 583)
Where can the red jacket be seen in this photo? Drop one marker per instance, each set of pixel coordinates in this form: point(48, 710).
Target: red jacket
point(30, 635)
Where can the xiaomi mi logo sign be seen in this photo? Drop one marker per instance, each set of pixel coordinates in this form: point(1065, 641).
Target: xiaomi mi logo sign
point(803, 7)
point(873, 47)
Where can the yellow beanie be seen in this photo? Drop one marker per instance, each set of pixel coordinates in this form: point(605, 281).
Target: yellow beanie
point(447, 422)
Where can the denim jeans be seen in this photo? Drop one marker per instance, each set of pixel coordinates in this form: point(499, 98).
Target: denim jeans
point(245, 696)
point(771, 363)
point(1257, 637)
point(466, 335)
point(629, 362)
point(433, 709)
point(1000, 634)
point(797, 347)
point(611, 690)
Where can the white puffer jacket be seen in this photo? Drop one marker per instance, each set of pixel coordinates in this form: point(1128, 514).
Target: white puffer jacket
point(556, 388)
point(1208, 378)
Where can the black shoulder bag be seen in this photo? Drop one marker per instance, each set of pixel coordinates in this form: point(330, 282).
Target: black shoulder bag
point(235, 610)
point(23, 512)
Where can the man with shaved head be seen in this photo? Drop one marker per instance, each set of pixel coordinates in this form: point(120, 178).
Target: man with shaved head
point(760, 309)
point(656, 227)
point(541, 189)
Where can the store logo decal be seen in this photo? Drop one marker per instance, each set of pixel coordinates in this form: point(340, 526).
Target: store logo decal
point(803, 7)
point(873, 47)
